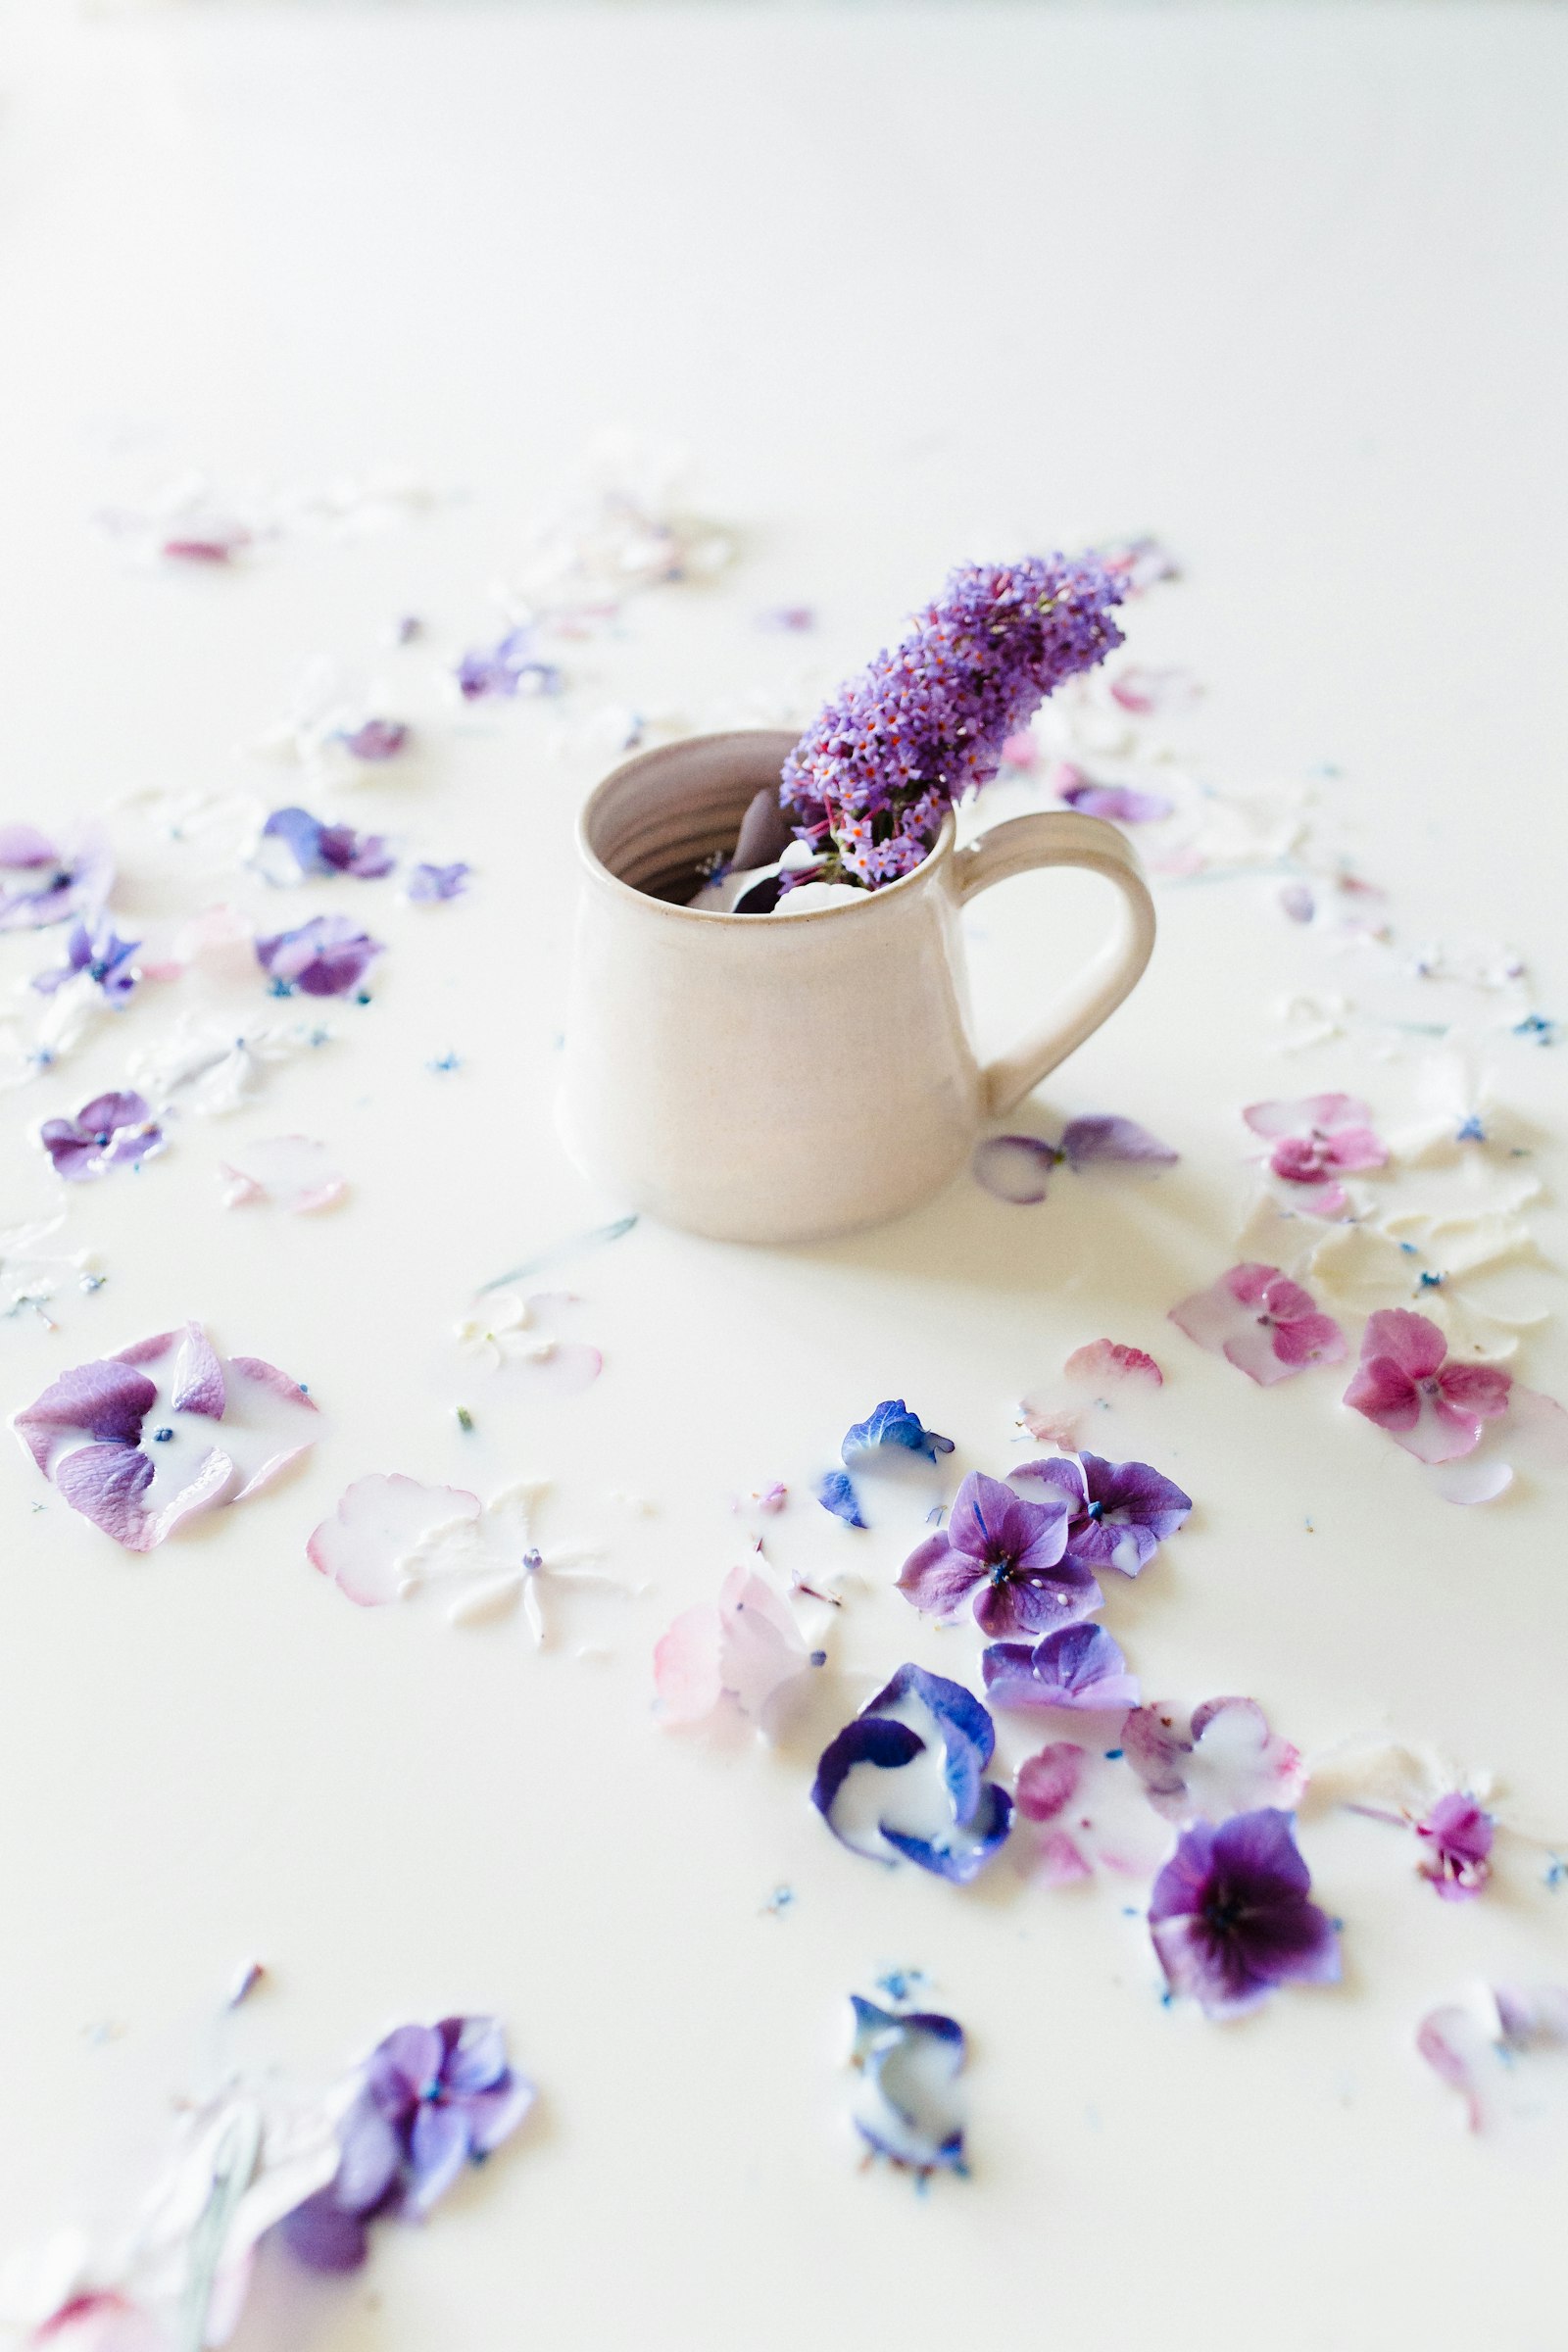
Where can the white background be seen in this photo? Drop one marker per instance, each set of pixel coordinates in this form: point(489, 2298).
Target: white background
point(1284, 283)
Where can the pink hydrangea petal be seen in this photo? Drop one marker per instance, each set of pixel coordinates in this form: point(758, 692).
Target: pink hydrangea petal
point(378, 1521)
point(1385, 1394)
point(687, 1681)
point(760, 1648)
point(1412, 1342)
point(1102, 1364)
point(1327, 1113)
point(1479, 1391)
point(1310, 1339)
point(1355, 1147)
point(1062, 1861)
point(1439, 1433)
point(1255, 1352)
point(1048, 1781)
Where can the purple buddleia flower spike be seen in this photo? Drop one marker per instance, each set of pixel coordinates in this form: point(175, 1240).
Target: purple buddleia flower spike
point(870, 782)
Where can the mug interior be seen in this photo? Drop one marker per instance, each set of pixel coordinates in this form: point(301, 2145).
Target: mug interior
point(659, 821)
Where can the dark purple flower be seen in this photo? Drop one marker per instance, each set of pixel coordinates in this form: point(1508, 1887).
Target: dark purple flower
point(1079, 1667)
point(1456, 1845)
point(40, 884)
point(870, 782)
point(376, 739)
point(1406, 1383)
point(428, 884)
point(434, 2098)
point(1121, 1512)
point(295, 844)
point(327, 956)
point(1118, 801)
point(908, 2110)
point(932, 1740)
point(1231, 1919)
point(891, 1424)
point(508, 667)
point(133, 1442)
point(1008, 1553)
point(1260, 1321)
point(103, 955)
point(105, 1132)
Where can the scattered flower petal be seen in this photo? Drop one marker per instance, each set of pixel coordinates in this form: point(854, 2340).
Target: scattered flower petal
point(905, 1778)
point(1260, 1321)
point(1006, 1552)
point(108, 1132)
point(98, 955)
point(150, 1417)
point(40, 884)
point(1121, 803)
point(1316, 1141)
point(1150, 693)
point(1015, 1167)
point(1078, 1667)
point(432, 885)
point(292, 1172)
point(749, 1651)
point(1231, 1919)
point(835, 1491)
point(295, 845)
point(907, 2108)
point(1406, 1383)
point(327, 956)
point(373, 1547)
point(1222, 1759)
point(376, 739)
point(1477, 2048)
point(1121, 1512)
point(1086, 1141)
point(892, 1425)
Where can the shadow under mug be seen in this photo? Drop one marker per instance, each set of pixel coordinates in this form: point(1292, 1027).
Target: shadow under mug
point(785, 1077)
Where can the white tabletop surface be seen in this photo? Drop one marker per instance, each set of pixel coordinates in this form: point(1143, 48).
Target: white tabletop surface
point(1281, 284)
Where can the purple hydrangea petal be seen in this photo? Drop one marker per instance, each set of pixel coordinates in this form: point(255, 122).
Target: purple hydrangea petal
point(938, 1578)
point(106, 1484)
point(363, 855)
point(1079, 1667)
point(1229, 1914)
point(893, 1424)
point(197, 1384)
point(438, 2150)
point(404, 2066)
point(1036, 1605)
point(1057, 1479)
point(321, 2236)
point(327, 956)
point(991, 1521)
point(1085, 1141)
point(495, 2114)
point(369, 2158)
point(1119, 803)
point(430, 884)
point(77, 1156)
point(291, 845)
point(376, 739)
point(1015, 1167)
point(474, 2053)
point(1131, 1511)
point(108, 1400)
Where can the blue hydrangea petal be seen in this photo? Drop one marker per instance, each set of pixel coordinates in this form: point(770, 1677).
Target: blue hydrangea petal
point(962, 1856)
point(909, 2062)
point(968, 1734)
point(893, 1424)
point(868, 1739)
point(835, 1491)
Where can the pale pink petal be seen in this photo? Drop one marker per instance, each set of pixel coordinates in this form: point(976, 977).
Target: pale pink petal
point(1325, 1114)
point(1147, 692)
point(1050, 1780)
point(1103, 1364)
point(196, 1385)
point(1310, 1339)
point(294, 1172)
point(1355, 1147)
point(687, 1681)
point(760, 1648)
point(379, 1522)
point(1470, 1482)
point(1061, 1863)
point(567, 1366)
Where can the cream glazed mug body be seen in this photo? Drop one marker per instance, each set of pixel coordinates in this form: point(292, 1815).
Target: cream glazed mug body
point(785, 1077)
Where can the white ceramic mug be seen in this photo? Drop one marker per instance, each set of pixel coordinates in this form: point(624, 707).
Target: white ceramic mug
point(779, 1077)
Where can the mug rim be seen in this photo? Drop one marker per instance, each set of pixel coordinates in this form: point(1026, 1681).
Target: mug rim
point(925, 873)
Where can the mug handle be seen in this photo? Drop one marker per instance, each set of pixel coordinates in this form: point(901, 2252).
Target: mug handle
point(1063, 837)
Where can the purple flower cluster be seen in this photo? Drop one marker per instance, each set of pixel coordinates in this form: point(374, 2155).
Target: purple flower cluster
point(869, 783)
point(434, 2098)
